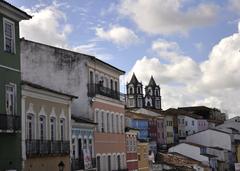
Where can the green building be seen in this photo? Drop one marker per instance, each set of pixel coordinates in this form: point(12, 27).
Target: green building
point(10, 93)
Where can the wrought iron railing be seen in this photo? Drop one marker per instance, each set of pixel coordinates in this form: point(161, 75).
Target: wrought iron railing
point(10, 122)
point(47, 147)
point(94, 89)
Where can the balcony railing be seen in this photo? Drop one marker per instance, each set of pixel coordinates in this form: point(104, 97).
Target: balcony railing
point(47, 147)
point(94, 89)
point(10, 122)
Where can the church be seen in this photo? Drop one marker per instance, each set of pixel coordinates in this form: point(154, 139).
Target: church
point(135, 98)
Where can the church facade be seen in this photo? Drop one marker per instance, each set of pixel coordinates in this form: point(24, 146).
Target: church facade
point(135, 97)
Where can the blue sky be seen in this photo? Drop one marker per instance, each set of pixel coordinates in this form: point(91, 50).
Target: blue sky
point(173, 40)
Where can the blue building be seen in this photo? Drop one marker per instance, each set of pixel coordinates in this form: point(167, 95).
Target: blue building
point(142, 125)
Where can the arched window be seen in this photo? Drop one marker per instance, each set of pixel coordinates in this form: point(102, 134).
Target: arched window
point(102, 121)
point(30, 126)
point(62, 129)
point(42, 127)
point(131, 90)
point(117, 123)
point(118, 162)
point(98, 163)
point(53, 128)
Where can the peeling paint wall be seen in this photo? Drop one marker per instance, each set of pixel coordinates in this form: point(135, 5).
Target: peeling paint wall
point(57, 69)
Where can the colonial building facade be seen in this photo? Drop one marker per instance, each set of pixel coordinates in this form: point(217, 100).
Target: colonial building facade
point(95, 83)
point(135, 97)
point(10, 93)
point(46, 128)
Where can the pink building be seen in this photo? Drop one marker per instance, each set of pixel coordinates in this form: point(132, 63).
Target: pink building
point(131, 149)
point(161, 132)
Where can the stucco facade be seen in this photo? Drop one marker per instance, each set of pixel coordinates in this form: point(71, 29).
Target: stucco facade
point(168, 122)
point(46, 128)
point(131, 150)
point(94, 82)
point(143, 162)
point(10, 89)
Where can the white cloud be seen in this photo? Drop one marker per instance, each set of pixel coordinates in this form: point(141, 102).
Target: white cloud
point(118, 34)
point(221, 70)
point(92, 49)
point(167, 16)
point(214, 82)
point(48, 25)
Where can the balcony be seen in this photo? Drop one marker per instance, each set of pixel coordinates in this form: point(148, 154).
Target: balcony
point(94, 89)
point(10, 122)
point(47, 147)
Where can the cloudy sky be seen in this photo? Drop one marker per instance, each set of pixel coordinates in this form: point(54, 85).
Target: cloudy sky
point(192, 48)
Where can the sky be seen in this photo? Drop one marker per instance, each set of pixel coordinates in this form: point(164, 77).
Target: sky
point(191, 48)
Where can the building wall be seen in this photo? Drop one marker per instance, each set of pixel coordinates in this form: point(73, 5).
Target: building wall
point(202, 124)
point(40, 103)
point(189, 151)
point(152, 123)
point(238, 153)
point(161, 132)
point(10, 146)
point(39, 107)
point(131, 151)
point(109, 135)
point(168, 122)
point(142, 125)
point(47, 163)
point(211, 138)
point(187, 125)
point(57, 69)
point(143, 162)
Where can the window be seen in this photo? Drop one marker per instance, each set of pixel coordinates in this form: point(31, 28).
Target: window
point(131, 102)
point(139, 102)
point(131, 90)
point(62, 129)
point(102, 126)
point(30, 127)
point(91, 77)
point(192, 123)
point(42, 127)
point(116, 86)
point(53, 128)
point(9, 36)
point(111, 84)
point(11, 99)
point(186, 123)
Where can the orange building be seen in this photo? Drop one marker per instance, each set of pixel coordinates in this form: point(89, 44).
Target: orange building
point(143, 162)
point(108, 109)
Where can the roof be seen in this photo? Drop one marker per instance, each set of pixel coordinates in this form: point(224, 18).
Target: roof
point(12, 8)
point(173, 111)
point(152, 82)
point(83, 120)
point(145, 112)
point(178, 160)
point(89, 56)
point(47, 89)
point(134, 79)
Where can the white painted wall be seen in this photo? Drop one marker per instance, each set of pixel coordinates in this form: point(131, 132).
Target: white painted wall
point(64, 71)
point(211, 138)
point(189, 151)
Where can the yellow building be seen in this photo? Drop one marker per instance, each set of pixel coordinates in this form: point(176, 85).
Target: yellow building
point(46, 129)
point(238, 153)
point(143, 162)
point(168, 120)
